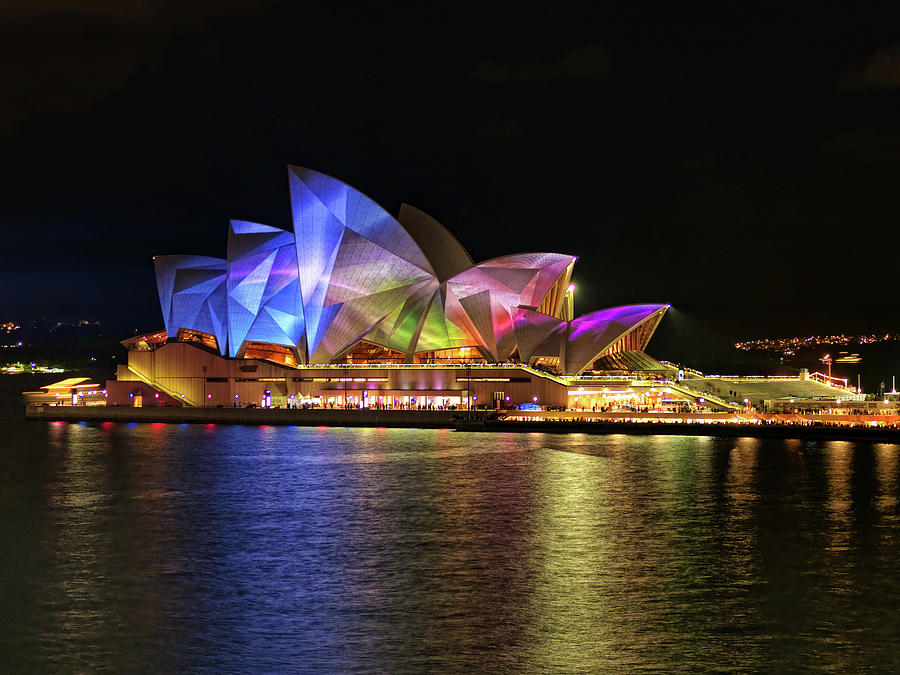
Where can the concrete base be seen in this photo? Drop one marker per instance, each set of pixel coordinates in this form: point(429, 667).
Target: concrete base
point(430, 419)
point(438, 419)
point(727, 430)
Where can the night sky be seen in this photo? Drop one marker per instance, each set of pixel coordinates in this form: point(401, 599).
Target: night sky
point(738, 160)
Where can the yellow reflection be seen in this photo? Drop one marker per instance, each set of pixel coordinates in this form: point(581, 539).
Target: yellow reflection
point(742, 475)
point(96, 549)
point(839, 466)
point(886, 474)
point(576, 546)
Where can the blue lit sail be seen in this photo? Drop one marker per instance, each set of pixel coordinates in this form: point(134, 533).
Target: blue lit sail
point(349, 272)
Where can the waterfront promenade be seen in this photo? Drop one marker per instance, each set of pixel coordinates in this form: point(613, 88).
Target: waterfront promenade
point(884, 428)
point(368, 417)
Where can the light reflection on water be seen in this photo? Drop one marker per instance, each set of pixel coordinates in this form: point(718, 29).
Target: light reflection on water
point(173, 547)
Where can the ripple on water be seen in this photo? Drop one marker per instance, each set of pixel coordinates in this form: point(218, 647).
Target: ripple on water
point(288, 548)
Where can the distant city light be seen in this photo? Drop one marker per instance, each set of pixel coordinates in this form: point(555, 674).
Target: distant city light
point(790, 345)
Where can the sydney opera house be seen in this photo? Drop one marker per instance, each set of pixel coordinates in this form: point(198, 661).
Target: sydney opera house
point(354, 307)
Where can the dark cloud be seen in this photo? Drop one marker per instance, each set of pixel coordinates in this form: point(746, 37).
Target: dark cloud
point(881, 71)
point(588, 63)
point(168, 10)
point(63, 56)
point(73, 62)
point(13, 8)
point(870, 143)
point(703, 143)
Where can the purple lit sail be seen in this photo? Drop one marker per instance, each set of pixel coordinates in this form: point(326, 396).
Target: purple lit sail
point(350, 272)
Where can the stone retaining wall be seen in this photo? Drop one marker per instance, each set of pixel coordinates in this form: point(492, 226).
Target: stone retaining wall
point(317, 417)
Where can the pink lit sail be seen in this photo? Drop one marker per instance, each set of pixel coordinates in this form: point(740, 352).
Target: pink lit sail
point(350, 272)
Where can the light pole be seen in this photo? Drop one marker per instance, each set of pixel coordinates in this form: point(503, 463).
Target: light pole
point(827, 360)
point(468, 388)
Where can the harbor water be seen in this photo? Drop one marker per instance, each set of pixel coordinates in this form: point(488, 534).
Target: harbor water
point(167, 547)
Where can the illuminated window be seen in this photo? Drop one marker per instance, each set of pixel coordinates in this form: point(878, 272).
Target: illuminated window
point(147, 342)
point(198, 337)
point(367, 352)
point(269, 352)
point(455, 355)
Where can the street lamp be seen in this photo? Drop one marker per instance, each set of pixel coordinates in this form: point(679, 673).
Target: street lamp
point(468, 388)
point(827, 360)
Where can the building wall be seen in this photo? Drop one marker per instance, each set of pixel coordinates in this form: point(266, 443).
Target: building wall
point(204, 378)
point(136, 393)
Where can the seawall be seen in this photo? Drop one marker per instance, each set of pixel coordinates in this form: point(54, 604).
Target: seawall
point(439, 419)
point(721, 429)
point(427, 419)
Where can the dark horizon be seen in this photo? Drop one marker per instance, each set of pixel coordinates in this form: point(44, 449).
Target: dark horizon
point(739, 164)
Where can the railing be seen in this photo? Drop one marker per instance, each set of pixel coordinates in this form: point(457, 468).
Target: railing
point(699, 393)
point(754, 378)
point(840, 382)
point(426, 366)
point(157, 385)
point(610, 378)
point(686, 369)
point(314, 366)
point(671, 384)
point(541, 373)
